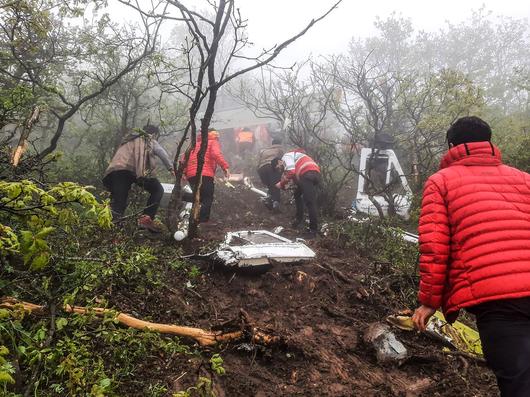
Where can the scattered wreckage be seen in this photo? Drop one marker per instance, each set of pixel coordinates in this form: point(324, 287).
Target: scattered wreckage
point(247, 250)
point(457, 335)
point(383, 162)
point(257, 250)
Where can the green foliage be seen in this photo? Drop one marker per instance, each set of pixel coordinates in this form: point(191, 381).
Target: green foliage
point(203, 388)
point(136, 270)
point(15, 103)
point(216, 363)
point(87, 357)
point(6, 368)
point(156, 390)
point(519, 155)
point(39, 212)
point(192, 271)
point(394, 260)
point(380, 241)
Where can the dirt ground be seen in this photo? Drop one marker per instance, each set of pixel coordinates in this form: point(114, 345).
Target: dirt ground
point(320, 309)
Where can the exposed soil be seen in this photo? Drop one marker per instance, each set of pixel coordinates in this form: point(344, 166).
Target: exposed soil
point(320, 309)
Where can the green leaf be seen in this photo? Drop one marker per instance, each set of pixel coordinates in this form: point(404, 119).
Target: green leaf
point(6, 378)
point(40, 261)
point(45, 231)
point(60, 323)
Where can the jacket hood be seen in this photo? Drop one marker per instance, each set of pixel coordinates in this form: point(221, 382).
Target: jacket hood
point(131, 136)
point(472, 153)
point(211, 135)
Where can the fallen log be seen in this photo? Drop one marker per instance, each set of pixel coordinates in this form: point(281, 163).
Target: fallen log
point(201, 336)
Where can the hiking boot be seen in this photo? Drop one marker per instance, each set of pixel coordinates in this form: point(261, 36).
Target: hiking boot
point(147, 223)
point(276, 206)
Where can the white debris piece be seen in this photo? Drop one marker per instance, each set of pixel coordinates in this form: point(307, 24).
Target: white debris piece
point(168, 189)
point(278, 230)
point(410, 237)
point(406, 236)
point(248, 183)
point(184, 218)
point(257, 248)
point(362, 202)
point(387, 347)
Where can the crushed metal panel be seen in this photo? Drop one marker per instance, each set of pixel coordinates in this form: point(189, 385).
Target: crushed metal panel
point(168, 189)
point(257, 248)
point(362, 202)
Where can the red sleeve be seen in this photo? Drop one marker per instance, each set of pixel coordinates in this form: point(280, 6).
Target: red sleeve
point(217, 155)
point(286, 177)
point(435, 243)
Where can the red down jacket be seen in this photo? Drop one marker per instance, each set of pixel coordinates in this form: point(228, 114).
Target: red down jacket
point(474, 231)
point(212, 158)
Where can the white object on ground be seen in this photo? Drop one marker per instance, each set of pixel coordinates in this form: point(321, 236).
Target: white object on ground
point(362, 202)
point(387, 347)
point(278, 229)
point(184, 218)
point(168, 189)
point(406, 236)
point(236, 177)
point(248, 183)
point(255, 248)
point(179, 235)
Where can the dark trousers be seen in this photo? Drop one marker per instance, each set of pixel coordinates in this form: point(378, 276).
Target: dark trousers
point(270, 177)
point(207, 190)
point(119, 183)
point(504, 328)
point(306, 193)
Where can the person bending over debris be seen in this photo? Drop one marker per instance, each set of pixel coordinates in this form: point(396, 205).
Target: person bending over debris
point(299, 167)
point(269, 175)
point(475, 250)
point(212, 158)
point(134, 162)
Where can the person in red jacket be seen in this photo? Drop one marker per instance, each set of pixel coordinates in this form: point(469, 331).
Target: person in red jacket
point(298, 167)
point(475, 250)
point(212, 158)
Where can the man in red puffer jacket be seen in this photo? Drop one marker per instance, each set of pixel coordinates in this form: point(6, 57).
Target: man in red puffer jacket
point(212, 158)
point(475, 250)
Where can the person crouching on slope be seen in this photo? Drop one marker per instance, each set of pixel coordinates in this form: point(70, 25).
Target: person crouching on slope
point(269, 175)
point(134, 162)
point(299, 167)
point(212, 158)
point(475, 250)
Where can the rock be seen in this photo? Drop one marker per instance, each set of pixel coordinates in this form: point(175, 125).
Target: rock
point(388, 348)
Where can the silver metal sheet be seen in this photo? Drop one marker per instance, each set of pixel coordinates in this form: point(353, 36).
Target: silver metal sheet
point(259, 247)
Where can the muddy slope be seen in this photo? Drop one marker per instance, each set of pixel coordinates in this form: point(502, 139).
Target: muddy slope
point(320, 309)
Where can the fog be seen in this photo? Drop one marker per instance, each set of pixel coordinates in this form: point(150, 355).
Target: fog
point(272, 21)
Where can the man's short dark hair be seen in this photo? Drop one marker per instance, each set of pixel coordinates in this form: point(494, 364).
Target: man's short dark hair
point(275, 161)
point(151, 129)
point(468, 129)
point(276, 141)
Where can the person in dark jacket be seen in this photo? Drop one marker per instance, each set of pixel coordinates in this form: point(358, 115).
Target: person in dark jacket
point(134, 162)
point(269, 175)
point(475, 250)
point(212, 159)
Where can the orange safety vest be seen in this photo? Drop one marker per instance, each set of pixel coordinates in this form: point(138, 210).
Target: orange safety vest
point(245, 136)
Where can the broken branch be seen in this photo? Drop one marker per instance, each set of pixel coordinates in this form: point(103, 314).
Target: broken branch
point(201, 336)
